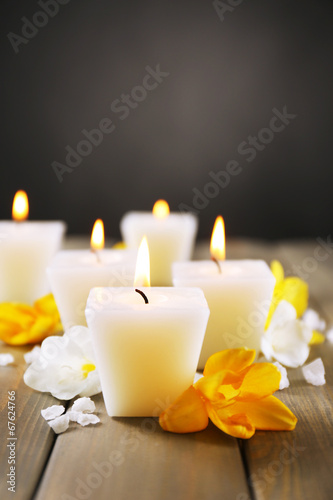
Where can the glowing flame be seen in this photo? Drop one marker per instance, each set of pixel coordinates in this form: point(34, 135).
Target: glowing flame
point(142, 270)
point(217, 243)
point(20, 206)
point(161, 209)
point(97, 236)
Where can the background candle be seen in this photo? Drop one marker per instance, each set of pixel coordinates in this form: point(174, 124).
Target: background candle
point(239, 298)
point(170, 238)
point(72, 274)
point(146, 353)
point(26, 248)
point(238, 293)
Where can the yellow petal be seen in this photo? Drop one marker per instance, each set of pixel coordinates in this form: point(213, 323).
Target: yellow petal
point(265, 414)
point(120, 245)
point(186, 414)
point(277, 270)
point(293, 290)
point(238, 426)
point(46, 305)
point(317, 338)
point(230, 359)
point(19, 314)
point(221, 385)
point(260, 381)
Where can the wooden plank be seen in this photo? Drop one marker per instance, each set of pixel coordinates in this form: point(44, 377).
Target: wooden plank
point(142, 461)
point(298, 464)
point(34, 437)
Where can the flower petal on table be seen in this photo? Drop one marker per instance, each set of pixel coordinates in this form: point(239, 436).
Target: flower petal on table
point(317, 338)
point(260, 381)
point(266, 414)
point(186, 414)
point(277, 270)
point(229, 359)
point(236, 425)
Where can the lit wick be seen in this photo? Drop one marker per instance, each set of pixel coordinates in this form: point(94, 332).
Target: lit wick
point(97, 238)
point(94, 251)
point(143, 295)
point(217, 263)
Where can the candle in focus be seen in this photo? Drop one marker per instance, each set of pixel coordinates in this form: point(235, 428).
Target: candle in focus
point(170, 238)
point(72, 274)
point(147, 343)
point(238, 292)
point(26, 248)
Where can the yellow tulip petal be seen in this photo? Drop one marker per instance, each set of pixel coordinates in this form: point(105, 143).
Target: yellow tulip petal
point(46, 305)
point(19, 314)
point(238, 426)
point(260, 381)
point(277, 270)
point(293, 290)
point(230, 359)
point(265, 414)
point(120, 245)
point(186, 414)
point(317, 338)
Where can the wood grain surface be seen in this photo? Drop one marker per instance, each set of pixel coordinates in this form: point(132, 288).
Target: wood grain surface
point(132, 458)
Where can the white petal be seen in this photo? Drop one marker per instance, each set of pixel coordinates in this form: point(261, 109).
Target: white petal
point(52, 412)
point(284, 382)
point(33, 355)
point(6, 359)
point(73, 415)
point(329, 335)
point(87, 418)
point(266, 346)
point(92, 385)
point(314, 373)
point(84, 404)
point(283, 313)
point(59, 424)
point(313, 321)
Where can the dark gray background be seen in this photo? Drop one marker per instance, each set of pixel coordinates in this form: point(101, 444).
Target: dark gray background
point(225, 79)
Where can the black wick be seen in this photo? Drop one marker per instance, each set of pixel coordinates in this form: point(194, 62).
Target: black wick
point(217, 263)
point(143, 295)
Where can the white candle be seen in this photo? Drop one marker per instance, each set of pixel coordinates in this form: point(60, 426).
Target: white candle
point(146, 354)
point(72, 274)
point(238, 292)
point(26, 248)
point(170, 238)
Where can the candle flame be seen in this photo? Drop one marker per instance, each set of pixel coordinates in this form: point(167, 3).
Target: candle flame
point(142, 270)
point(217, 243)
point(20, 206)
point(97, 236)
point(161, 209)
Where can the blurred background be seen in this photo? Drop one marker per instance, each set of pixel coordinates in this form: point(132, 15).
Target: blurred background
point(184, 95)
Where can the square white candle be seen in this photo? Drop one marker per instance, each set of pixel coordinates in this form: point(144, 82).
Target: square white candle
point(239, 298)
point(170, 239)
point(26, 249)
point(73, 273)
point(146, 353)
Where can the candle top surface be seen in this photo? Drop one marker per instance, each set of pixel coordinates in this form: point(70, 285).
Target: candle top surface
point(104, 299)
point(27, 229)
point(230, 270)
point(151, 221)
point(87, 258)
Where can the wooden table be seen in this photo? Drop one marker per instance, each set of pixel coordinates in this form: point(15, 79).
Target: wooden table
point(132, 458)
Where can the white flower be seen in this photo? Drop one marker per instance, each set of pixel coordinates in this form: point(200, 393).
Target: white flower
point(32, 355)
point(284, 382)
point(6, 359)
point(65, 366)
point(330, 335)
point(312, 319)
point(286, 339)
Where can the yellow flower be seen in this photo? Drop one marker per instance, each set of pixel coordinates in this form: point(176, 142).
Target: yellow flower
point(291, 289)
point(23, 324)
point(120, 245)
point(235, 395)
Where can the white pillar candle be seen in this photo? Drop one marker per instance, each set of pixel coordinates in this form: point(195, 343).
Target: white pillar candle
point(26, 248)
point(238, 292)
point(170, 238)
point(146, 354)
point(73, 273)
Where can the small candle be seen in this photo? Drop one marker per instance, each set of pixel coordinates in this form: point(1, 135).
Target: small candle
point(72, 274)
point(170, 238)
point(238, 292)
point(147, 344)
point(26, 248)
